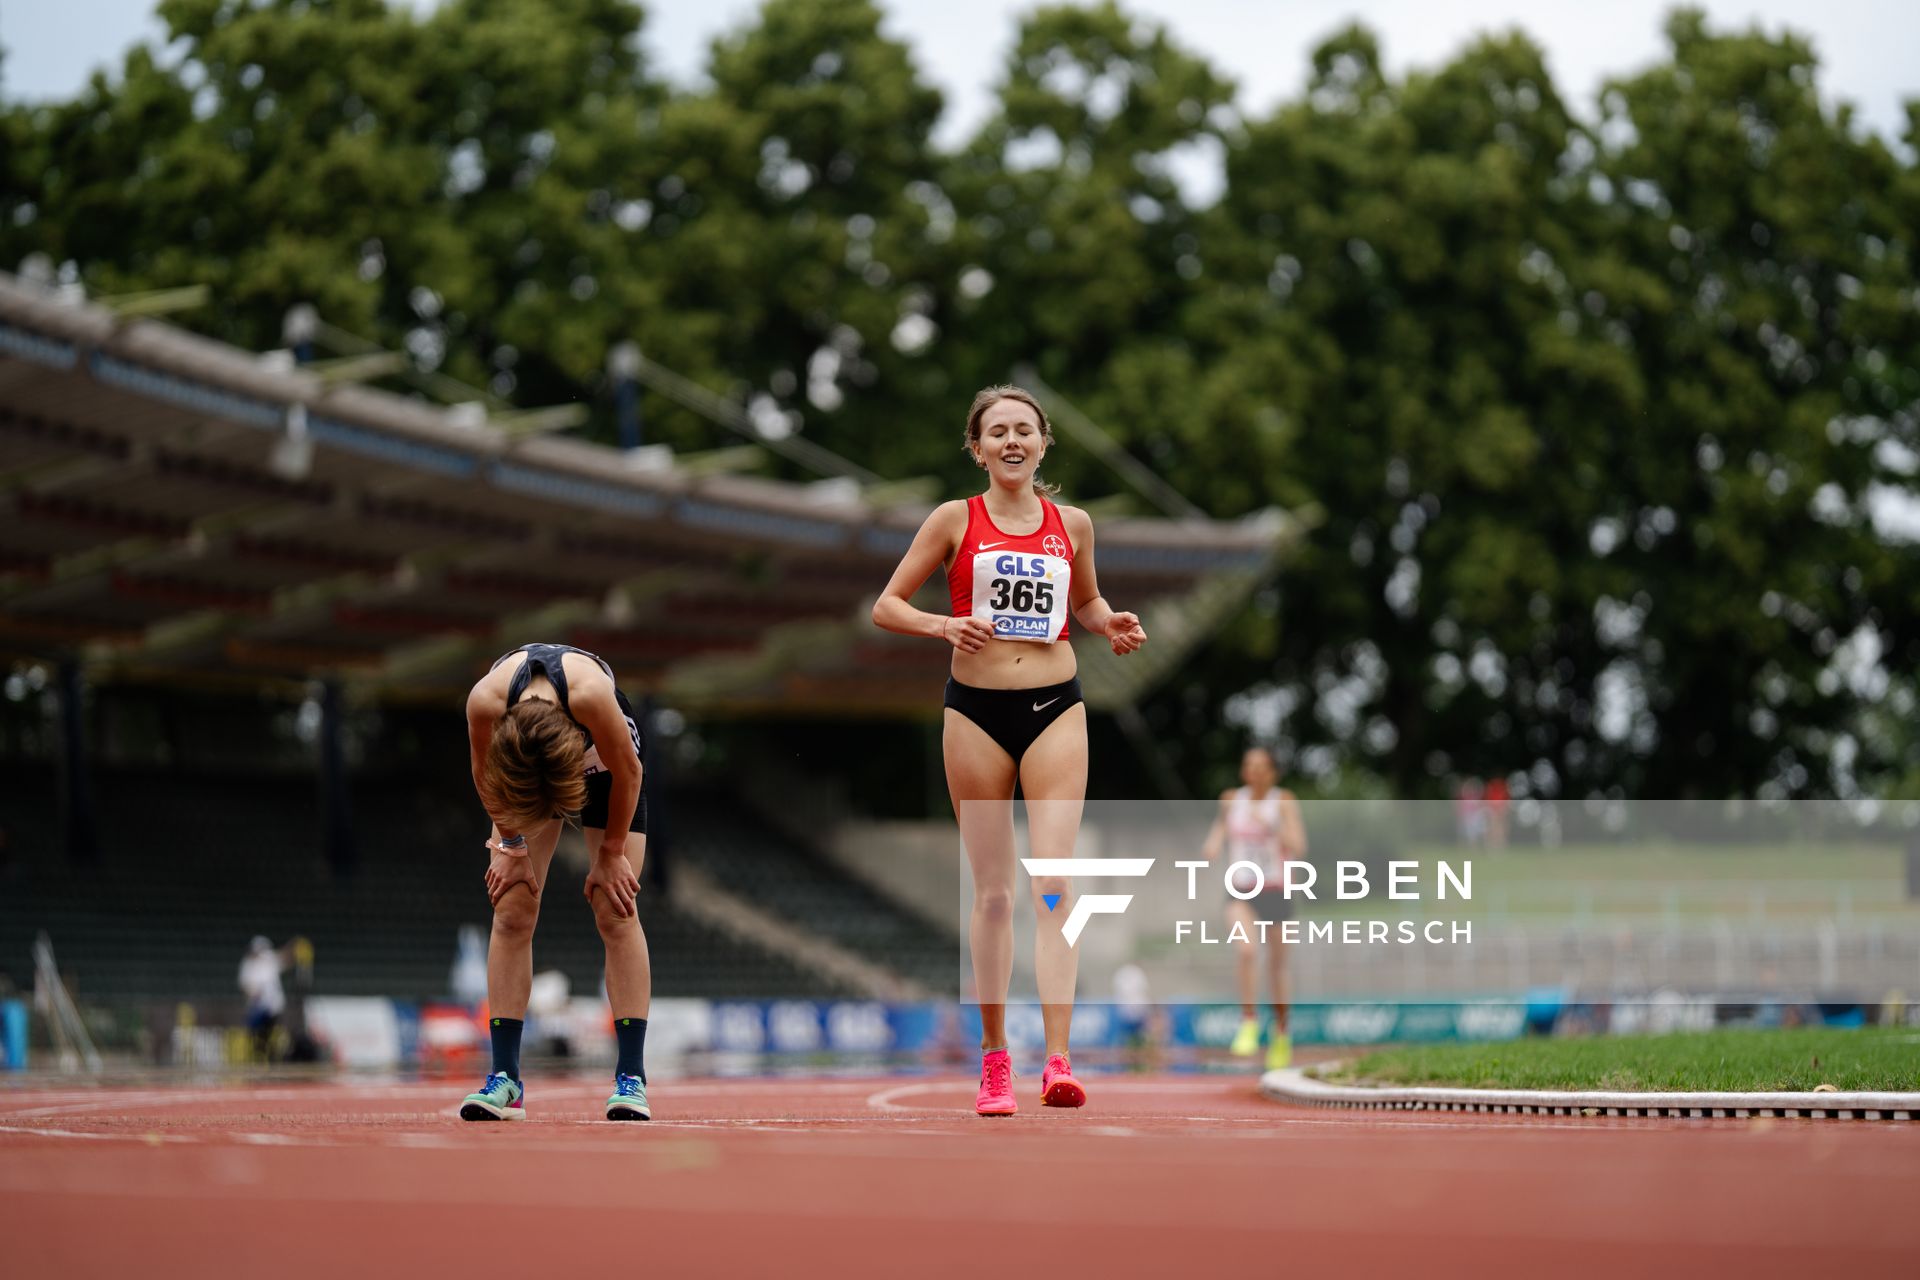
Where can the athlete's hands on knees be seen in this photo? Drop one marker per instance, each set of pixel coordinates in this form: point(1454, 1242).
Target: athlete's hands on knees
point(968, 635)
point(612, 874)
point(1124, 632)
point(505, 870)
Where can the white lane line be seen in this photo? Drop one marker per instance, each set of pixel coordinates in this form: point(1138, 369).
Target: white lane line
point(883, 1099)
point(74, 1102)
point(839, 1127)
point(171, 1097)
point(149, 1138)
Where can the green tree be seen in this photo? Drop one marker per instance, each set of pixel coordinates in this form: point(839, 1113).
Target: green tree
point(827, 258)
point(1410, 241)
point(422, 181)
point(1598, 406)
point(502, 189)
point(1080, 250)
point(1782, 379)
point(1584, 408)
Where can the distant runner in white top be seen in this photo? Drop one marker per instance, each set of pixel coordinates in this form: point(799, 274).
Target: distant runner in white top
point(260, 972)
point(1259, 824)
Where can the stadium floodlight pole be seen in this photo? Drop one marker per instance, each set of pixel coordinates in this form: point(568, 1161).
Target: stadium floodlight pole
point(623, 366)
point(1137, 474)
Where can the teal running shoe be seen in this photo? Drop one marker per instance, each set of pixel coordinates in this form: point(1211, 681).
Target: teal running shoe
point(500, 1098)
point(629, 1100)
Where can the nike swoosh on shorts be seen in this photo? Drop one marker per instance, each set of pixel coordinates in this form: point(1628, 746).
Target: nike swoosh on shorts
point(1042, 706)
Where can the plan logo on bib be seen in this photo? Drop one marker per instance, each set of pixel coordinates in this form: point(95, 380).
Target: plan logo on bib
point(1021, 628)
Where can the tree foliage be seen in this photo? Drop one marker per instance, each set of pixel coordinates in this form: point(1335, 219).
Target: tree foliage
point(1600, 401)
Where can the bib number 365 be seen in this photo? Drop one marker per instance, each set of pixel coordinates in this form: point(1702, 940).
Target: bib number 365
point(1022, 595)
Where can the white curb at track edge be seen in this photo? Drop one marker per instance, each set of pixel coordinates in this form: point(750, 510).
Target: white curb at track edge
point(1294, 1085)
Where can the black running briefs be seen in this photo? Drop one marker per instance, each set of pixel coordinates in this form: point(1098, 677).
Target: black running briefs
point(1014, 718)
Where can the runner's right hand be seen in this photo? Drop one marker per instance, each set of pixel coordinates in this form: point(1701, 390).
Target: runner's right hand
point(505, 871)
point(968, 635)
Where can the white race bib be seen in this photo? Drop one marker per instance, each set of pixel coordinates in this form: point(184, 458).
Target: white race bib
point(1023, 596)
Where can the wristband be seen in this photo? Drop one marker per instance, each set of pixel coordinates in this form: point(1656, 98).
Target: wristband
point(513, 848)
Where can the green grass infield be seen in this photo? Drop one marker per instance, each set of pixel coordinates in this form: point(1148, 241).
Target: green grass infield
point(1872, 1059)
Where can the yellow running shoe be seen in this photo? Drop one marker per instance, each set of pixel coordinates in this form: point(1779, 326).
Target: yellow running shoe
point(1280, 1052)
point(1246, 1041)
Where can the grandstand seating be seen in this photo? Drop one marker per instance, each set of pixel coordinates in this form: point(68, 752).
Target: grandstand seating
point(191, 868)
point(777, 874)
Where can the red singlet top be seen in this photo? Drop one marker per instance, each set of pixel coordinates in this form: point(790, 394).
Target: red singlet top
point(1020, 584)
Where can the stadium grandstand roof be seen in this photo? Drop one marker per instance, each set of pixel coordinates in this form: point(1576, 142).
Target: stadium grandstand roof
point(177, 509)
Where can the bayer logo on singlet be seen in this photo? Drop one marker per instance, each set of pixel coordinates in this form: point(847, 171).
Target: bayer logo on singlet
point(1054, 545)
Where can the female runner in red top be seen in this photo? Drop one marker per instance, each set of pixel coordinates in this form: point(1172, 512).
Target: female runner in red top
point(1016, 564)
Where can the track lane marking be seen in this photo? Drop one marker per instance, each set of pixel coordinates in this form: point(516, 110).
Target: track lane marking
point(883, 1099)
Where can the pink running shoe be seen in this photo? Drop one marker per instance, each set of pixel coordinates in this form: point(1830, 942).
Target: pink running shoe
point(1058, 1088)
point(996, 1085)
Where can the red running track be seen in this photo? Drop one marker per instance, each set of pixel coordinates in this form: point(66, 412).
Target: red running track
point(895, 1177)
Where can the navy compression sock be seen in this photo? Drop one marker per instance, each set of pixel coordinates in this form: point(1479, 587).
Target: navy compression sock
point(632, 1035)
point(506, 1045)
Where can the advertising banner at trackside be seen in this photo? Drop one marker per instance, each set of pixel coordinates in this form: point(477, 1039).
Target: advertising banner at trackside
point(1260, 897)
point(359, 1033)
point(856, 1027)
point(816, 1026)
point(13, 1035)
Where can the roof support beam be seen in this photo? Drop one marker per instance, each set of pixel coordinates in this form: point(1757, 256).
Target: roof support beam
point(442, 655)
point(533, 422)
point(155, 302)
point(360, 368)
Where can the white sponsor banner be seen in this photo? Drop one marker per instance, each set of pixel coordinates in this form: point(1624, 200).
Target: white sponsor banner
point(359, 1031)
point(677, 1026)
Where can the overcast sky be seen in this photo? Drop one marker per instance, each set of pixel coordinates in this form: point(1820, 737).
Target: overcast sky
point(53, 45)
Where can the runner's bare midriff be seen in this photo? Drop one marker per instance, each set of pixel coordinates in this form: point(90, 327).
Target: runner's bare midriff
point(1016, 664)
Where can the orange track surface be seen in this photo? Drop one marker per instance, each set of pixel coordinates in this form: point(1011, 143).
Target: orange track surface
point(1158, 1176)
